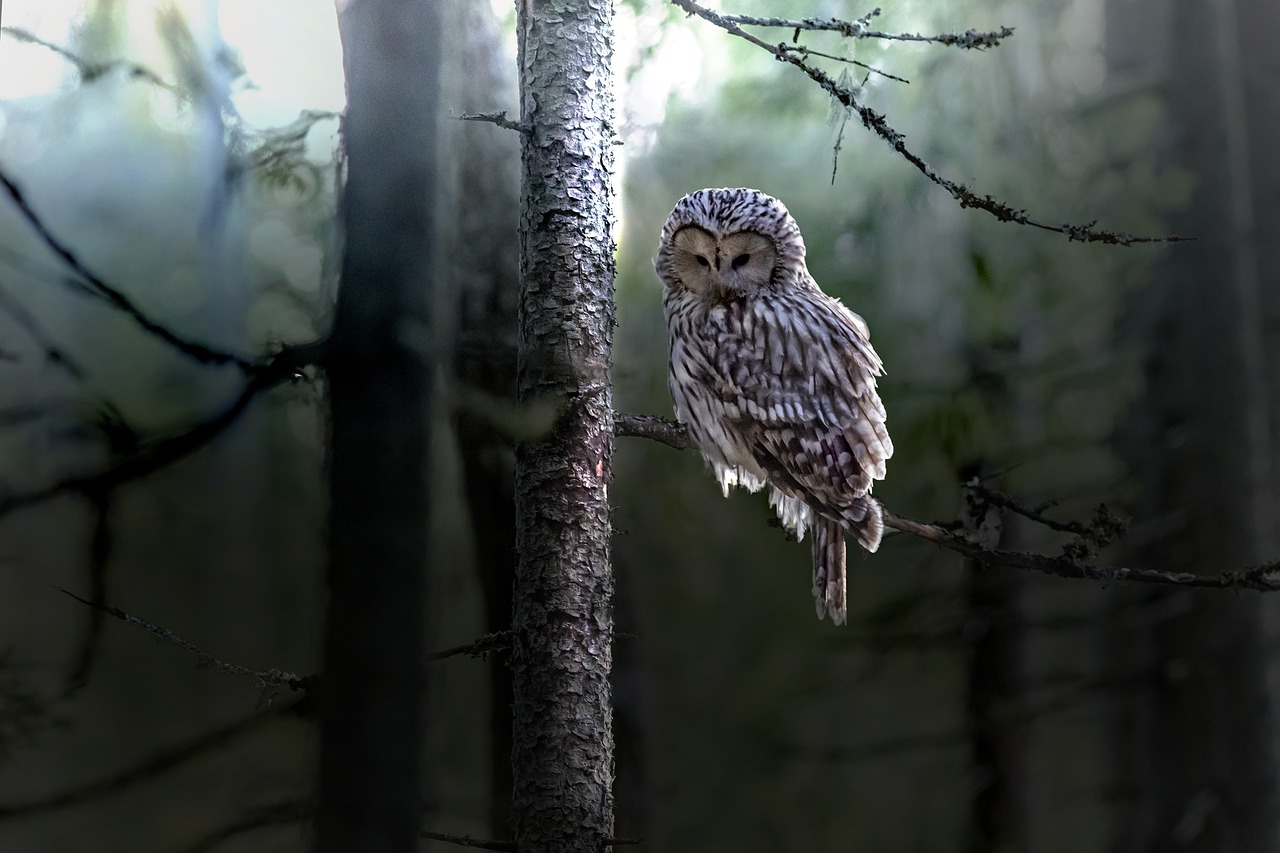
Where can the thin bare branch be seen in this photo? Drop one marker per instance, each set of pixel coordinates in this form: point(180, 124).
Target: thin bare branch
point(114, 297)
point(100, 545)
point(879, 125)
point(467, 841)
point(478, 648)
point(1261, 578)
point(1034, 513)
point(264, 677)
point(804, 51)
point(274, 677)
point(498, 118)
point(89, 71)
point(53, 353)
point(152, 455)
point(859, 29)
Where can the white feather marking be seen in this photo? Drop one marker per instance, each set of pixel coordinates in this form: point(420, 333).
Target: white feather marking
point(795, 515)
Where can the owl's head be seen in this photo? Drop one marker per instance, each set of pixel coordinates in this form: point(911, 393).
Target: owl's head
point(726, 243)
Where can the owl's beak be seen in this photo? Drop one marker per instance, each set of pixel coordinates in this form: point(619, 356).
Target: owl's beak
point(723, 289)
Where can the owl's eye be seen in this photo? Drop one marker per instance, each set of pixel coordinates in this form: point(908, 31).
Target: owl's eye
point(741, 260)
point(703, 261)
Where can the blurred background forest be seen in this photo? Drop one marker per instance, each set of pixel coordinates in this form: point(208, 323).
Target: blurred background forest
point(962, 708)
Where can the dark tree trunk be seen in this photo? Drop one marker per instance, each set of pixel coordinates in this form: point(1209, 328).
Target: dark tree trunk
point(994, 722)
point(484, 274)
point(995, 731)
point(380, 368)
point(994, 727)
point(1195, 750)
point(562, 616)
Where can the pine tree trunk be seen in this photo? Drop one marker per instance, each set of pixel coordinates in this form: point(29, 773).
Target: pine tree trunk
point(562, 616)
point(380, 369)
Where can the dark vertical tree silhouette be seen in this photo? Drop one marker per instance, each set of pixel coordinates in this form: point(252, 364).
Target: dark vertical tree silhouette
point(483, 263)
point(380, 367)
point(1196, 747)
point(994, 600)
point(562, 619)
point(996, 737)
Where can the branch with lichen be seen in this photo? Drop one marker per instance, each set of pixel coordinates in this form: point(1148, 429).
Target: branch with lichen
point(861, 29)
point(1074, 562)
point(878, 124)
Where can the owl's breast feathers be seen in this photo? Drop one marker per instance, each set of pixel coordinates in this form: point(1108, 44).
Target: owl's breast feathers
point(781, 388)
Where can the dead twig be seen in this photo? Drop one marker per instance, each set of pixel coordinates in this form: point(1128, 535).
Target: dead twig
point(498, 118)
point(264, 677)
point(478, 648)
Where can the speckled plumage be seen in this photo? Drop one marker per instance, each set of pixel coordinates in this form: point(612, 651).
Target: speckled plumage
point(775, 380)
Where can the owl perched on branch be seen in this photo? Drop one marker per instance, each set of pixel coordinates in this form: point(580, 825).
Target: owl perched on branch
point(775, 380)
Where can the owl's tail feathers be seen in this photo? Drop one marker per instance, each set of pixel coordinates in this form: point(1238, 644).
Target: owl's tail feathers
point(829, 570)
point(865, 517)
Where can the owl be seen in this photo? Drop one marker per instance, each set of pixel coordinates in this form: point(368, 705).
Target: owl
point(775, 380)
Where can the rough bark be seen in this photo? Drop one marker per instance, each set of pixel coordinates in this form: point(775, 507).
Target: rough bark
point(380, 368)
point(1196, 751)
point(562, 615)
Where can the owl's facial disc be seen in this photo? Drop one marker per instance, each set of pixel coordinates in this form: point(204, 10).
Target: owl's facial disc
point(748, 260)
point(735, 265)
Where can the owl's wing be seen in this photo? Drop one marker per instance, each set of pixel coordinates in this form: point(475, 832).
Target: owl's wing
point(800, 371)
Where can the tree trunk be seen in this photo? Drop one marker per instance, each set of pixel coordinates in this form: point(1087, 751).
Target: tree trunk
point(562, 616)
point(484, 277)
point(994, 730)
point(1196, 749)
point(380, 368)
